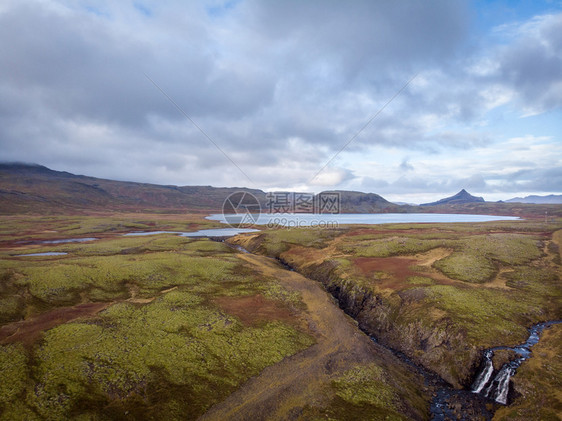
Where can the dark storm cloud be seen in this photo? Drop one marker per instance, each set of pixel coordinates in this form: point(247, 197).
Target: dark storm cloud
point(363, 38)
point(80, 65)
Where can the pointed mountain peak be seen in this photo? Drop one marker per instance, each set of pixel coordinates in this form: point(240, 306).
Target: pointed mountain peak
point(461, 197)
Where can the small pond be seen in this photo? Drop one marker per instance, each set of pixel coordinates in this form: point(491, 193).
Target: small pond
point(48, 253)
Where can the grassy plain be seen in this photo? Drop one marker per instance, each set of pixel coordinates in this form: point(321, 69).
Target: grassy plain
point(159, 348)
point(165, 327)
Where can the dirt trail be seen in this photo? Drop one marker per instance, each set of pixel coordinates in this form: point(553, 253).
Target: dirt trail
point(281, 391)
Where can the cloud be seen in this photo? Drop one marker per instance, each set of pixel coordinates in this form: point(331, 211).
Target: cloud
point(532, 64)
point(280, 87)
point(406, 166)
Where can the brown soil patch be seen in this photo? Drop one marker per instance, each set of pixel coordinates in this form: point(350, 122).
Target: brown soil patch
point(397, 267)
point(499, 281)
point(253, 309)
point(430, 257)
point(28, 331)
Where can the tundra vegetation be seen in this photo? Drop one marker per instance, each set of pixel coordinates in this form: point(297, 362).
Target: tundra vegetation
point(156, 327)
point(440, 293)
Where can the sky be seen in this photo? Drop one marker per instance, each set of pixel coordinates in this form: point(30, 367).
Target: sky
point(413, 100)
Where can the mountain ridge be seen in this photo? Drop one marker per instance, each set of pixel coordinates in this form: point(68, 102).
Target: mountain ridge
point(536, 199)
point(33, 187)
point(36, 189)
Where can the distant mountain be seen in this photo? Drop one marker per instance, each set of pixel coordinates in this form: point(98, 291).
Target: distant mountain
point(31, 188)
point(550, 199)
point(405, 203)
point(359, 202)
point(461, 197)
point(34, 188)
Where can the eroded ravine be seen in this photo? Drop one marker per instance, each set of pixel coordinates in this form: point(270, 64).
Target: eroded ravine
point(448, 402)
point(282, 391)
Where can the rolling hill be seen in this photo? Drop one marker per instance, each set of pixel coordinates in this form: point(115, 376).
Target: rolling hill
point(35, 188)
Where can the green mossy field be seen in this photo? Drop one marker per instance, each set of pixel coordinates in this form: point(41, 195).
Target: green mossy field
point(165, 327)
point(160, 349)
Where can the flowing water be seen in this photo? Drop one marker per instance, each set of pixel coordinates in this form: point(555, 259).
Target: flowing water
point(449, 403)
point(484, 375)
point(497, 387)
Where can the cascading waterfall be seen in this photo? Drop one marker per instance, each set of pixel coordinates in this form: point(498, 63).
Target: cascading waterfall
point(502, 380)
point(485, 374)
point(498, 388)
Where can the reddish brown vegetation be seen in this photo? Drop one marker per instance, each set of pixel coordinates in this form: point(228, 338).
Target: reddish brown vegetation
point(253, 309)
point(397, 267)
point(28, 331)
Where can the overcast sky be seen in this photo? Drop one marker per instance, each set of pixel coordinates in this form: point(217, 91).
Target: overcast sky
point(281, 87)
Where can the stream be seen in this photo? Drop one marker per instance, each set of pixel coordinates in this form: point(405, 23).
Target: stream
point(447, 403)
point(496, 386)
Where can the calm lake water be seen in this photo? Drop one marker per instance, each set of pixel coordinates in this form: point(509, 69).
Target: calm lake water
point(70, 240)
point(218, 232)
point(48, 253)
point(329, 220)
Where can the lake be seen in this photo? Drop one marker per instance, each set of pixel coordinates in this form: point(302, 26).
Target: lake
point(48, 253)
point(333, 220)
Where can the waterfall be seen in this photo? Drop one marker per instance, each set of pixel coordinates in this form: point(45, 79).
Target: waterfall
point(484, 376)
point(498, 388)
point(502, 380)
